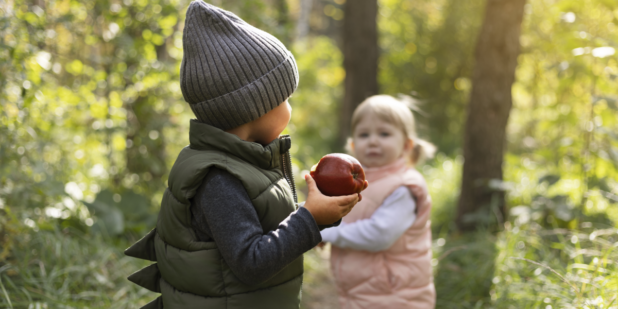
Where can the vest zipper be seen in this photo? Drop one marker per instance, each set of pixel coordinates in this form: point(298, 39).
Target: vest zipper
point(286, 167)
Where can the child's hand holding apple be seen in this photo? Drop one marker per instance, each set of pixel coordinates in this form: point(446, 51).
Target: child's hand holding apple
point(334, 185)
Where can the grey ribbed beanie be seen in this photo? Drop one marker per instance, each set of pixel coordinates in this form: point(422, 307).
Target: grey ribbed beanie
point(232, 73)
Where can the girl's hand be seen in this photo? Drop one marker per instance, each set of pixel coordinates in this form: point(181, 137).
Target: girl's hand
point(360, 197)
point(327, 209)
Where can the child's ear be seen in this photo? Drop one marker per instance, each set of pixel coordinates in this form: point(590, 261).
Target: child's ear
point(408, 146)
point(349, 147)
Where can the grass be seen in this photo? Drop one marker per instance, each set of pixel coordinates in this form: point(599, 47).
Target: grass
point(556, 268)
point(64, 269)
point(525, 265)
point(520, 267)
point(463, 268)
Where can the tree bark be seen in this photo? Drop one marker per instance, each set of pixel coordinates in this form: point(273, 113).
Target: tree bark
point(360, 58)
point(302, 26)
point(283, 22)
point(482, 196)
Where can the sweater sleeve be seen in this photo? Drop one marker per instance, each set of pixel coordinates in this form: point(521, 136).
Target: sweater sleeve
point(396, 214)
point(224, 213)
point(322, 226)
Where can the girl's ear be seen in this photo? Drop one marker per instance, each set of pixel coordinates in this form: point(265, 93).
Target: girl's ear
point(408, 146)
point(349, 147)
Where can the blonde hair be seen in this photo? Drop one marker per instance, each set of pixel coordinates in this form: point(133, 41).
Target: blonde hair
point(398, 113)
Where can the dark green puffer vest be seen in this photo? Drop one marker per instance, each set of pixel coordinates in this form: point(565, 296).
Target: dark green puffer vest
point(192, 274)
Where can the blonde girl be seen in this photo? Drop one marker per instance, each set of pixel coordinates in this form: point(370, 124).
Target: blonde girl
point(381, 253)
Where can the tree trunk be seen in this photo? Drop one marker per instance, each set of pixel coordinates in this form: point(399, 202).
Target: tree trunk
point(360, 58)
point(283, 22)
point(482, 190)
point(302, 26)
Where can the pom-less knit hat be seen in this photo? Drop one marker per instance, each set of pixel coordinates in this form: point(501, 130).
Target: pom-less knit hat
point(232, 73)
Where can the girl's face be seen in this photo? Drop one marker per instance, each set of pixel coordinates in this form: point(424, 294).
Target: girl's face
point(378, 143)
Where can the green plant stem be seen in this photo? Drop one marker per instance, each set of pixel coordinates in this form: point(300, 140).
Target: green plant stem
point(555, 272)
point(6, 295)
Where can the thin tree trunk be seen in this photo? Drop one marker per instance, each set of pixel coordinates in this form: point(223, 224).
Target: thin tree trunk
point(302, 27)
point(482, 192)
point(360, 58)
point(283, 22)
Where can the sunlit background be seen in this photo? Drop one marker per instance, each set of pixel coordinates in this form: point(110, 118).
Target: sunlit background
point(92, 118)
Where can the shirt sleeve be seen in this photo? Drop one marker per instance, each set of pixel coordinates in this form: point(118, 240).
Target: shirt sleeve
point(396, 214)
point(321, 226)
point(229, 218)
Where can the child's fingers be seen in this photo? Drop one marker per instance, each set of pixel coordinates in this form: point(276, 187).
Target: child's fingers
point(346, 199)
point(311, 183)
point(346, 210)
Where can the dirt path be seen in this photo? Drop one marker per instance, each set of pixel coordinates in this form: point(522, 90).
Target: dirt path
point(319, 290)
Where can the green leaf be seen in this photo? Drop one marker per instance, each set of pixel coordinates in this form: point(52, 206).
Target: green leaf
point(551, 179)
point(136, 209)
point(612, 101)
point(108, 219)
point(599, 183)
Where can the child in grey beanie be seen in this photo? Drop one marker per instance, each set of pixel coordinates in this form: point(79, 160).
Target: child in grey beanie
point(230, 233)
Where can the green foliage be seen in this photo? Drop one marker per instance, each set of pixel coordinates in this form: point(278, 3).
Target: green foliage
point(89, 91)
point(443, 178)
point(556, 267)
point(92, 117)
point(118, 213)
point(527, 266)
point(463, 269)
point(564, 112)
point(272, 16)
point(544, 256)
point(314, 104)
point(54, 269)
point(427, 49)
point(9, 227)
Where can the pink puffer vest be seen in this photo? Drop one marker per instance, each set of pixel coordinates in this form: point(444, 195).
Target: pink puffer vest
point(400, 276)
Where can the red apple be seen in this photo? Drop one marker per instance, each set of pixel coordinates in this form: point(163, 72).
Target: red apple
point(339, 174)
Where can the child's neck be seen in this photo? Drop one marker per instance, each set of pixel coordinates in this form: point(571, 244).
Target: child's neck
point(243, 132)
point(374, 173)
point(248, 132)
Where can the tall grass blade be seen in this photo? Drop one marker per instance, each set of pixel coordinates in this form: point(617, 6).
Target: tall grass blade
point(6, 295)
point(552, 270)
